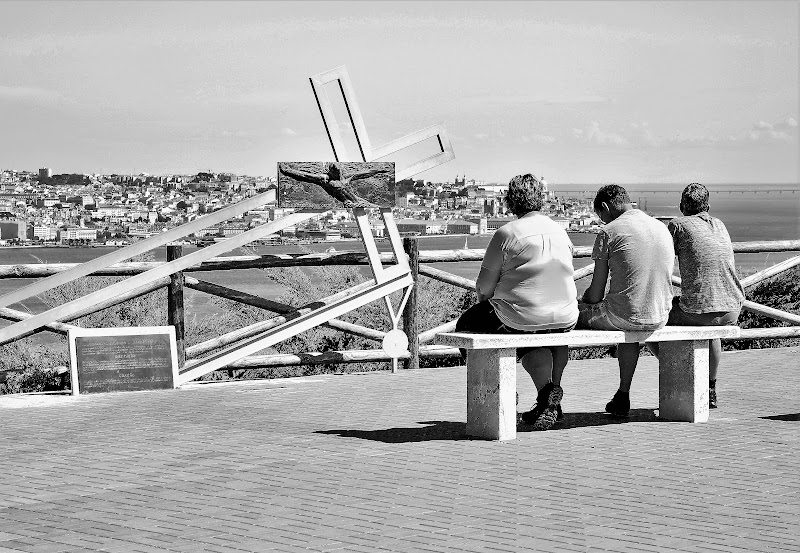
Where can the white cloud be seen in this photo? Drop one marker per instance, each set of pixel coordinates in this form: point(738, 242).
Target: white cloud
point(481, 136)
point(760, 131)
point(288, 132)
point(756, 136)
point(538, 139)
point(594, 134)
point(780, 131)
point(645, 134)
point(693, 140)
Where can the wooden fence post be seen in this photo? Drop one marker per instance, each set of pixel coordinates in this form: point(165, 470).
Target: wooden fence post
point(175, 304)
point(410, 325)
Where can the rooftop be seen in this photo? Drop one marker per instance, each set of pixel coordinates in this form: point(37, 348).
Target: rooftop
point(378, 462)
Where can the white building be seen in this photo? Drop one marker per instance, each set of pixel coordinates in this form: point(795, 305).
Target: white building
point(45, 233)
point(78, 233)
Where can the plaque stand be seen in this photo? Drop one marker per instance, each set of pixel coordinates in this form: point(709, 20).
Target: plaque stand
point(123, 359)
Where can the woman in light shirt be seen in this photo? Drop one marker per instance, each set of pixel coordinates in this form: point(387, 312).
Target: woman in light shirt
point(526, 285)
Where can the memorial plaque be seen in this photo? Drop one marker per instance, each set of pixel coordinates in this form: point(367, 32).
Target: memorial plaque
point(123, 359)
point(325, 185)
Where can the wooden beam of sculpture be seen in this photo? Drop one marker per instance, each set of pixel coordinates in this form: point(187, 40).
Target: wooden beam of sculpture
point(444, 154)
point(270, 305)
point(14, 315)
point(342, 77)
point(87, 309)
point(367, 153)
point(109, 259)
point(67, 310)
point(329, 357)
point(318, 313)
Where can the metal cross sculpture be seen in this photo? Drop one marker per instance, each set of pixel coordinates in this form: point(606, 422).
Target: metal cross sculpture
point(396, 341)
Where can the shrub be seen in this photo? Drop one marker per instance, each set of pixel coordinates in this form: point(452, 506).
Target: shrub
point(781, 292)
point(39, 362)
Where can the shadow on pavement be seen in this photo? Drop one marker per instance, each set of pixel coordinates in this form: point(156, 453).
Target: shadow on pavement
point(436, 430)
point(792, 417)
point(580, 420)
point(448, 430)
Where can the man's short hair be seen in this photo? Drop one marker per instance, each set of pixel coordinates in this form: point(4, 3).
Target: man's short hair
point(612, 194)
point(694, 199)
point(525, 194)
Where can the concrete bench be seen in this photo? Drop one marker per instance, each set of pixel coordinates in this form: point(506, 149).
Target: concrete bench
point(492, 364)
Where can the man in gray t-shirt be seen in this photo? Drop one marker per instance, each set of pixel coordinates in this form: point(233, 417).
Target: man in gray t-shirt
point(635, 252)
point(711, 293)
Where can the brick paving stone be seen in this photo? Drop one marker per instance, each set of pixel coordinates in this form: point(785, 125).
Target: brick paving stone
point(379, 462)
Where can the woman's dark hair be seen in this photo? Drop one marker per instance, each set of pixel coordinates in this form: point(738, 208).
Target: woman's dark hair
point(525, 194)
point(612, 194)
point(694, 199)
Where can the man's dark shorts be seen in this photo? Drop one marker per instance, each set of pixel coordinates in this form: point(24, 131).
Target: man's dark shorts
point(679, 317)
point(481, 318)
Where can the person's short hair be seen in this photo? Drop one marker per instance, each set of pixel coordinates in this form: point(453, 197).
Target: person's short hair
point(612, 194)
point(525, 194)
point(694, 199)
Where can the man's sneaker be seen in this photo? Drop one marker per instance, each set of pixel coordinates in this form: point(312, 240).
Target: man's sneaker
point(712, 398)
point(619, 406)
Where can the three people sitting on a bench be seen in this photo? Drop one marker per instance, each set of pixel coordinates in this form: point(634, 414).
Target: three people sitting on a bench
point(526, 284)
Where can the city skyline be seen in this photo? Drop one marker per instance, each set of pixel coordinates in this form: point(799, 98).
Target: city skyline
point(626, 92)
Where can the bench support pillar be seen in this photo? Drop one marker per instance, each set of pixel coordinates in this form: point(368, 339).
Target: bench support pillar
point(491, 393)
point(683, 381)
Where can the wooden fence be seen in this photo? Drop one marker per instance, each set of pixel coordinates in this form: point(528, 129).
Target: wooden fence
point(420, 341)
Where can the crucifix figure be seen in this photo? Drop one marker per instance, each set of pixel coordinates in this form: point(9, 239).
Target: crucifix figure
point(333, 181)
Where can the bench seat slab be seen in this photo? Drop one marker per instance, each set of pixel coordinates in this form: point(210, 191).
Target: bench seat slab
point(577, 338)
point(491, 394)
point(683, 381)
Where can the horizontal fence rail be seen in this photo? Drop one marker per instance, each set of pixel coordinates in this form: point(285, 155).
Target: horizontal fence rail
point(420, 343)
point(270, 261)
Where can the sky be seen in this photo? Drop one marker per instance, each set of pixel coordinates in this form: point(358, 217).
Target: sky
point(630, 92)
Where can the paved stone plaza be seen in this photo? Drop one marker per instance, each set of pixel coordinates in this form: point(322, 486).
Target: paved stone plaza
point(378, 462)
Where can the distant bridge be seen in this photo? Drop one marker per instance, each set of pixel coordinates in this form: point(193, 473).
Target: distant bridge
point(636, 191)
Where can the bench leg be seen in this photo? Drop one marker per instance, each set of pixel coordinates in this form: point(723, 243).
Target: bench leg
point(683, 380)
point(491, 393)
